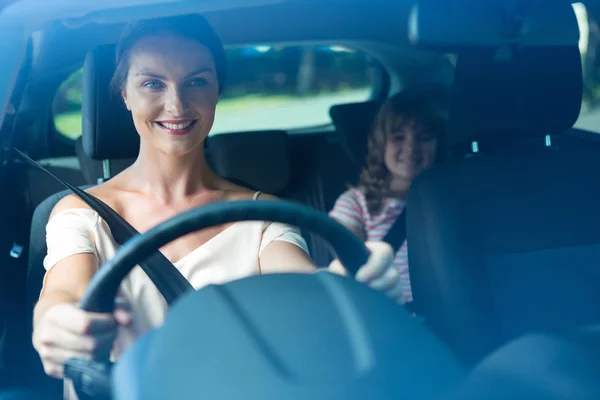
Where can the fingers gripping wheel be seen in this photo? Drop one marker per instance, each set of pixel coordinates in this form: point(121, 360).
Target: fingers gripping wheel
point(92, 379)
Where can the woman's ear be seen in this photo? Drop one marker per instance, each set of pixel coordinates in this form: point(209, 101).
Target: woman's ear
point(124, 96)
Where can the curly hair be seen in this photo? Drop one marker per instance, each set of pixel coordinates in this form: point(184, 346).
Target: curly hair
point(423, 108)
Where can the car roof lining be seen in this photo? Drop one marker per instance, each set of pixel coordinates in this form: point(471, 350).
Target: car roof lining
point(292, 22)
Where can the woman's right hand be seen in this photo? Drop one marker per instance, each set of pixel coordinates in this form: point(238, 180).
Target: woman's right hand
point(65, 331)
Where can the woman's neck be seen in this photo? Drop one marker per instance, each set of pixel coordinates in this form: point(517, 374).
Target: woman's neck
point(173, 178)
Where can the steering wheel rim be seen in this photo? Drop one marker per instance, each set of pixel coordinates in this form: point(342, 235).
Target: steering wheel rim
point(102, 290)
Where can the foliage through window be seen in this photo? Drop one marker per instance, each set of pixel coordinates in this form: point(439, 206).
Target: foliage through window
point(67, 106)
point(268, 87)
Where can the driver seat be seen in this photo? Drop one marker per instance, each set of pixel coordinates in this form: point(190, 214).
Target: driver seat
point(504, 243)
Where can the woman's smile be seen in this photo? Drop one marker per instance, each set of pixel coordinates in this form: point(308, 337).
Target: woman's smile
point(177, 127)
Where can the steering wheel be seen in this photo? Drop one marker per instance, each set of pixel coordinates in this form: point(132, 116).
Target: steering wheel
point(91, 379)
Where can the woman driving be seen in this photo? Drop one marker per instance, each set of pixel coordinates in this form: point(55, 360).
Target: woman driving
point(169, 73)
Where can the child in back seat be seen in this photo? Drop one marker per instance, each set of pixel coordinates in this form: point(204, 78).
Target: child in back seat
point(407, 137)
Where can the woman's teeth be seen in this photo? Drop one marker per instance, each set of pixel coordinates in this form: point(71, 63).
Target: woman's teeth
point(176, 127)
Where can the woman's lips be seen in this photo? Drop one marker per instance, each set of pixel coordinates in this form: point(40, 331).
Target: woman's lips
point(178, 128)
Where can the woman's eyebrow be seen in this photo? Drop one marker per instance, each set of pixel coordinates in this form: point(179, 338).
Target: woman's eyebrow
point(157, 76)
point(149, 74)
point(200, 71)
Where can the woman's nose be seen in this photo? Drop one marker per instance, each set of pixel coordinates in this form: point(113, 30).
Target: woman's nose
point(176, 103)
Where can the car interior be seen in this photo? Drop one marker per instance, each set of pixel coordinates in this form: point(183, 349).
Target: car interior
point(503, 235)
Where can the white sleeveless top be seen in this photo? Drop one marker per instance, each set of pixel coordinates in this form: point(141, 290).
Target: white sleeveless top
point(230, 255)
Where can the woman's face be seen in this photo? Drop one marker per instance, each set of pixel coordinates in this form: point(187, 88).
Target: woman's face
point(171, 91)
point(409, 150)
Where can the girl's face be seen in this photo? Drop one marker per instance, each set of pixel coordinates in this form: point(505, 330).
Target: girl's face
point(172, 92)
point(409, 149)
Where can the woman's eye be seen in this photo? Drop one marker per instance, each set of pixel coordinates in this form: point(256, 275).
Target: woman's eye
point(197, 82)
point(153, 84)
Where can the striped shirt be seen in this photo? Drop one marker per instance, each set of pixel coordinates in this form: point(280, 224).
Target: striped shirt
point(351, 210)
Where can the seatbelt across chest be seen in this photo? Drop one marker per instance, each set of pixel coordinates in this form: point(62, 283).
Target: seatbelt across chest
point(396, 236)
point(168, 279)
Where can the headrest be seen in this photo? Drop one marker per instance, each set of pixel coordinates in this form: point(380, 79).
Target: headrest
point(353, 123)
point(108, 130)
point(93, 170)
point(257, 159)
point(535, 91)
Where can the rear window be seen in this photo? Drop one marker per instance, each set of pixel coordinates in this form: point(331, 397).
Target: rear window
point(268, 87)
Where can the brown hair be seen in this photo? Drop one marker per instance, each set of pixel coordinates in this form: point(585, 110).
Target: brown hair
point(423, 107)
point(191, 26)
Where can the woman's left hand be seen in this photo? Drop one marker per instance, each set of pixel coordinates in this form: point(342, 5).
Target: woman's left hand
point(378, 272)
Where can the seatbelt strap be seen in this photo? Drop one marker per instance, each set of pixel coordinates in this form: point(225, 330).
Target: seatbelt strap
point(168, 279)
point(395, 238)
point(397, 233)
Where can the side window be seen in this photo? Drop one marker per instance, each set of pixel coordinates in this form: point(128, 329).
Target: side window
point(589, 45)
point(268, 87)
point(66, 107)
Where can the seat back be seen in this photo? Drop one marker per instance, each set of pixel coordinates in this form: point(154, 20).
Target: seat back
point(505, 244)
point(29, 359)
point(353, 123)
point(37, 245)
